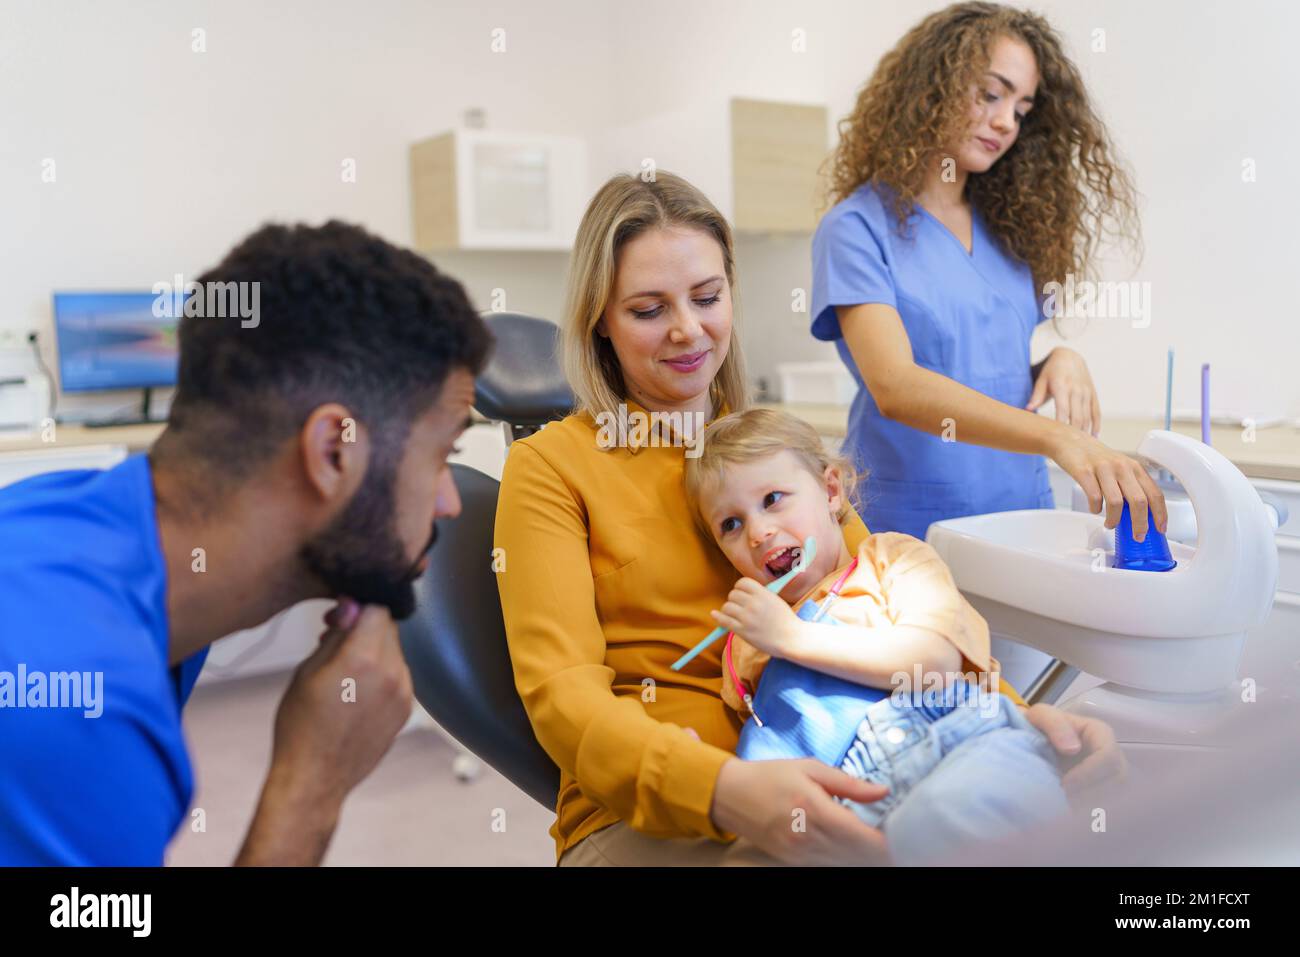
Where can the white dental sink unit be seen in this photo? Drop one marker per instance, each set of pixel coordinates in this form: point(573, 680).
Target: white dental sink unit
point(1166, 644)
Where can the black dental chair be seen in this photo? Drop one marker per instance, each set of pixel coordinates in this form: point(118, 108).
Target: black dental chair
point(455, 643)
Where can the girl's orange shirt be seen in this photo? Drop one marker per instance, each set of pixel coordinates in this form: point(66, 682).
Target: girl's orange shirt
point(899, 580)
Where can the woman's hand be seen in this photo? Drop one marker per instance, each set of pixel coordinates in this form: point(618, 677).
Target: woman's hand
point(1064, 378)
point(760, 617)
point(1105, 474)
point(1089, 743)
point(787, 809)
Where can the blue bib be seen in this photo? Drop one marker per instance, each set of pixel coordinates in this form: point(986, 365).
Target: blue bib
point(805, 713)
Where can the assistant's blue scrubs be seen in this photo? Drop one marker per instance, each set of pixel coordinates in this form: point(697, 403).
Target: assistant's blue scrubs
point(969, 317)
point(83, 593)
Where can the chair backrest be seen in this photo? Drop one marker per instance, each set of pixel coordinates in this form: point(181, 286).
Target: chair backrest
point(523, 384)
point(455, 643)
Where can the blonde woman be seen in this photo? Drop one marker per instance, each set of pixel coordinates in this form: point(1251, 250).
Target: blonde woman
point(608, 579)
point(971, 174)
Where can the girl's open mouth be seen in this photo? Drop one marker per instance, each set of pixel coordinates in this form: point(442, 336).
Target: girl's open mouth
point(783, 561)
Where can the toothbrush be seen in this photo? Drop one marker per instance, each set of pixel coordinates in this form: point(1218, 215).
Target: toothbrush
point(1165, 474)
point(1205, 403)
point(1169, 392)
point(809, 553)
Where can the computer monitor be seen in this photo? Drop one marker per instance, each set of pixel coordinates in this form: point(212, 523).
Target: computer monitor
point(114, 340)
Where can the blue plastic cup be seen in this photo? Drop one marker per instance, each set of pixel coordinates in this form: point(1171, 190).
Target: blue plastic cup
point(1149, 555)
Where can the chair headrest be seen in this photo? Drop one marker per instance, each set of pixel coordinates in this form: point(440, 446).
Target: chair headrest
point(524, 382)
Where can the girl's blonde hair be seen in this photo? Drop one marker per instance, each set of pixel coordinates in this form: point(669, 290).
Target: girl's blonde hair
point(755, 434)
point(623, 208)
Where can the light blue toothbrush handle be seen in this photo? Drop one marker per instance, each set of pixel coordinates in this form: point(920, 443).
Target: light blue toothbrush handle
point(809, 553)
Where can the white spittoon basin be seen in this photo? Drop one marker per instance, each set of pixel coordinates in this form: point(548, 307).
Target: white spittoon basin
point(1165, 644)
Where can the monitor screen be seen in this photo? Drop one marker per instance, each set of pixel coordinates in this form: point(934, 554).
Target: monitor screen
point(113, 340)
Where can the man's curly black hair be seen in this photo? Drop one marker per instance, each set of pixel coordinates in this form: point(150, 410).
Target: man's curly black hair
point(344, 317)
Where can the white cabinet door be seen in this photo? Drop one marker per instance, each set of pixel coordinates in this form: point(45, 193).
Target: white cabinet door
point(518, 191)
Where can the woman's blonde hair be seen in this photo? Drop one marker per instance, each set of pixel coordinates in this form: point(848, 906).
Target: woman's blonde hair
point(1054, 195)
point(755, 434)
point(623, 208)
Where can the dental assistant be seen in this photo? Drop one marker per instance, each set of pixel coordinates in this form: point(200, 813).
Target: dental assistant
point(958, 193)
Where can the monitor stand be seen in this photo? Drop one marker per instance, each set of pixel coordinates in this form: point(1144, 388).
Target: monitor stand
point(116, 421)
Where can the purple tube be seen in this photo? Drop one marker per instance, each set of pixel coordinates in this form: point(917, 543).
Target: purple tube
point(1205, 403)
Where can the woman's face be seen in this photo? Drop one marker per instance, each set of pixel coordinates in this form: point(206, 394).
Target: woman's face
point(669, 316)
point(999, 104)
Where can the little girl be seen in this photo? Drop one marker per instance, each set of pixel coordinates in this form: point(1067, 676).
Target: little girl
point(884, 671)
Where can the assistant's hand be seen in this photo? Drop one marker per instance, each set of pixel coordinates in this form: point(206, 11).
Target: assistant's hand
point(787, 809)
point(338, 717)
point(1088, 744)
point(1066, 381)
point(760, 617)
point(1110, 477)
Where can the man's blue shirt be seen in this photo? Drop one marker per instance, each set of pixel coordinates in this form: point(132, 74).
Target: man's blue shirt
point(93, 763)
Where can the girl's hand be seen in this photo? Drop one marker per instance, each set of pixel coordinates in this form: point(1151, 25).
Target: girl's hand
point(1064, 378)
point(788, 809)
point(759, 617)
point(1105, 474)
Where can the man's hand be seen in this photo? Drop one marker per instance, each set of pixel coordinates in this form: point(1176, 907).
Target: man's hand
point(760, 618)
point(338, 717)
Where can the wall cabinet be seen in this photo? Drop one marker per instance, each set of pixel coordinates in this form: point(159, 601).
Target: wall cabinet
point(486, 189)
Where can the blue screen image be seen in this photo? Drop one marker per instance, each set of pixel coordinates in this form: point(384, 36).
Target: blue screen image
point(113, 340)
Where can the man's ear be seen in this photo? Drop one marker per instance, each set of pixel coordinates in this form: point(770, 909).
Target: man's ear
point(335, 451)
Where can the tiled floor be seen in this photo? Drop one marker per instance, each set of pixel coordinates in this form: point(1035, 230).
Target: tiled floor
point(411, 811)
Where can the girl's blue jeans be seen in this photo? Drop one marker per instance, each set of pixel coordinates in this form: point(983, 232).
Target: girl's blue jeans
point(961, 768)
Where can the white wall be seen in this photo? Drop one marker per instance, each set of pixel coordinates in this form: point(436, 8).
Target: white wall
point(165, 157)
point(1190, 91)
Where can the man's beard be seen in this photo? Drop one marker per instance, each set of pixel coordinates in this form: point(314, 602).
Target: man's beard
point(360, 555)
